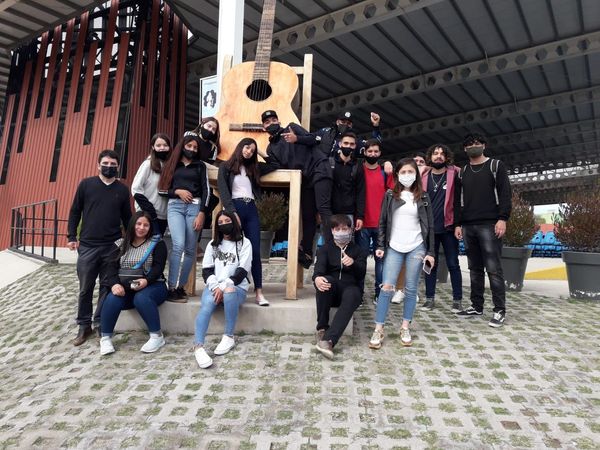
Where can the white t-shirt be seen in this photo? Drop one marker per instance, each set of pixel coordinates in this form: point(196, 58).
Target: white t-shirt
point(242, 186)
point(406, 228)
point(225, 259)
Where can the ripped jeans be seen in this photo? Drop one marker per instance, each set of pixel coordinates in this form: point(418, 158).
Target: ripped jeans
point(392, 263)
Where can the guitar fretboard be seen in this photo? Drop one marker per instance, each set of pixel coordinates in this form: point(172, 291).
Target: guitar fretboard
point(246, 126)
point(265, 38)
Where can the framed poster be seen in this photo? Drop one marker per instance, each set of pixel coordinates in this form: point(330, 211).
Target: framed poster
point(208, 96)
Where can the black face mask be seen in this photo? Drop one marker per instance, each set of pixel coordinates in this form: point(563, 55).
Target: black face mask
point(246, 161)
point(438, 165)
point(346, 151)
point(273, 129)
point(109, 171)
point(189, 154)
point(207, 135)
point(371, 159)
point(225, 228)
point(343, 128)
point(162, 155)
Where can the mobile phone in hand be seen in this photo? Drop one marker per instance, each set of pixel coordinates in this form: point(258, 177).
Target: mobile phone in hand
point(427, 266)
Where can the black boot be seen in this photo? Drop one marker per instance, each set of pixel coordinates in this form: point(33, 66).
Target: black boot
point(85, 331)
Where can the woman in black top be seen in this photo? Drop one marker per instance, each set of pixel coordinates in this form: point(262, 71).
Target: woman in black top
point(209, 145)
point(144, 294)
point(239, 187)
point(184, 180)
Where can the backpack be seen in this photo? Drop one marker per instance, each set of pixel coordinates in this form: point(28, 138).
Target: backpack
point(494, 168)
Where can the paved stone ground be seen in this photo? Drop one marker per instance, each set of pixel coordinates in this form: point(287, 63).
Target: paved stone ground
point(533, 384)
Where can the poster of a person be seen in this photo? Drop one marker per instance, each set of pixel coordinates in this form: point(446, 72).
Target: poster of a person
point(208, 96)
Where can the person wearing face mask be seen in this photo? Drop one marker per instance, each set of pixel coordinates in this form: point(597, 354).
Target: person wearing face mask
point(377, 182)
point(348, 195)
point(184, 180)
point(405, 238)
point(209, 144)
point(329, 137)
point(145, 183)
point(101, 205)
point(239, 187)
point(293, 147)
point(227, 261)
point(482, 206)
point(439, 181)
point(339, 269)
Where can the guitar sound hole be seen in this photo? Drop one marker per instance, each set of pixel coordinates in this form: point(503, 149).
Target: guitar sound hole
point(259, 90)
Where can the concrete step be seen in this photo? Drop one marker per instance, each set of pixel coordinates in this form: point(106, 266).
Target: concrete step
point(282, 316)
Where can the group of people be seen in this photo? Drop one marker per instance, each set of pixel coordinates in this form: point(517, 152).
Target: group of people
point(400, 214)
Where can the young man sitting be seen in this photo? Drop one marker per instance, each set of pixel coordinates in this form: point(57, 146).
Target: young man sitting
point(339, 271)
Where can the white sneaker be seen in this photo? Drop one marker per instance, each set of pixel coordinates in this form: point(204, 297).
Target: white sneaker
point(226, 344)
point(262, 301)
point(405, 337)
point(106, 346)
point(154, 343)
point(202, 358)
point(398, 297)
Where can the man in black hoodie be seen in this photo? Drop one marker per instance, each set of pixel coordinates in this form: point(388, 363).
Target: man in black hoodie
point(482, 205)
point(293, 147)
point(339, 270)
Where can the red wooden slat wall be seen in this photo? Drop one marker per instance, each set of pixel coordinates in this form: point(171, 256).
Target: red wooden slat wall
point(30, 166)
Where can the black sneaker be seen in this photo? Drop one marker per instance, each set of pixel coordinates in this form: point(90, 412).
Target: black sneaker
point(428, 305)
point(469, 312)
point(304, 259)
point(174, 296)
point(498, 319)
point(375, 297)
point(456, 306)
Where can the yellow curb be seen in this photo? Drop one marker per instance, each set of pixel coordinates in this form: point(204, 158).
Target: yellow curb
point(554, 273)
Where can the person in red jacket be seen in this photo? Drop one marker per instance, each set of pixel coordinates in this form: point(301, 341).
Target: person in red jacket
point(439, 181)
point(376, 183)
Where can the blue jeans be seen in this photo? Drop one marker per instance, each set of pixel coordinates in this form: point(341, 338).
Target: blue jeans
point(145, 301)
point(231, 303)
point(450, 244)
point(251, 226)
point(392, 263)
point(181, 217)
point(483, 250)
point(366, 238)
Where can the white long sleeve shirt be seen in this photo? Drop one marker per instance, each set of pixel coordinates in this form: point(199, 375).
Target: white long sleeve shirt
point(226, 259)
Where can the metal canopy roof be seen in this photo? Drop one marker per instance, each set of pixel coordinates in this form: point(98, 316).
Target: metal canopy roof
point(526, 73)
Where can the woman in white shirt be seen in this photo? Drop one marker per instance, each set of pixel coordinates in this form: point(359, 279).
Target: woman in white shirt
point(239, 187)
point(406, 236)
point(227, 261)
point(144, 187)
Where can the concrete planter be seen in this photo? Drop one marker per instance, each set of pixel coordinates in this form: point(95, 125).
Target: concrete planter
point(514, 265)
point(583, 271)
point(266, 242)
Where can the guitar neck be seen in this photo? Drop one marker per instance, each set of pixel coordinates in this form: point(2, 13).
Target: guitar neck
point(265, 38)
point(246, 126)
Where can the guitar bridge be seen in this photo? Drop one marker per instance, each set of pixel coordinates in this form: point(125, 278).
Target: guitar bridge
point(246, 127)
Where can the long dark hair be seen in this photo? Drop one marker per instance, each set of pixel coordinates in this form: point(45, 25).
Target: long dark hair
point(217, 141)
point(166, 177)
point(155, 163)
point(236, 235)
point(130, 233)
point(416, 188)
point(236, 161)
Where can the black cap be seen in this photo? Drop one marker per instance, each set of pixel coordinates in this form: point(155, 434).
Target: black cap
point(346, 115)
point(268, 113)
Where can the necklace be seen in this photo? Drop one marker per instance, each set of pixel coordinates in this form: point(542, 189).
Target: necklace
point(439, 182)
point(477, 171)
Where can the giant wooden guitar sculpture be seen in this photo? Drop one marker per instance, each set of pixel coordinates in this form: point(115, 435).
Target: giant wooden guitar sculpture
point(250, 88)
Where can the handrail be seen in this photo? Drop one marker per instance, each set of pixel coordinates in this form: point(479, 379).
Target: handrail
point(31, 225)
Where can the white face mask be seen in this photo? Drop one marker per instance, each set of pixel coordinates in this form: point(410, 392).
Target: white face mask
point(407, 179)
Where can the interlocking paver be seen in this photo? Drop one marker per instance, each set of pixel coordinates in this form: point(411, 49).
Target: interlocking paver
point(533, 384)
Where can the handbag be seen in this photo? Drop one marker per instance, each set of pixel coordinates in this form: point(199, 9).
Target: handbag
point(126, 276)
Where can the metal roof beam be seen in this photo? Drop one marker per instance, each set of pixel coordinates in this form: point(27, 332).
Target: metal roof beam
point(325, 27)
point(562, 49)
point(571, 173)
point(496, 112)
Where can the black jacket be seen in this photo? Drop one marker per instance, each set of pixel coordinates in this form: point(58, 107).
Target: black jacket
point(225, 183)
point(348, 193)
point(328, 141)
point(301, 155)
point(329, 264)
point(390, 205)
